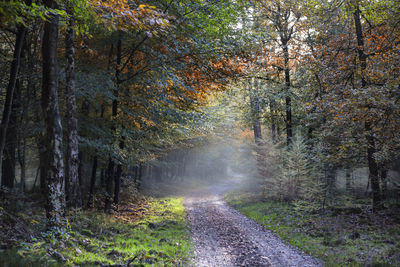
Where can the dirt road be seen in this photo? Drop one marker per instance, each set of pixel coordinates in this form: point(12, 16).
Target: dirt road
point(224, 237)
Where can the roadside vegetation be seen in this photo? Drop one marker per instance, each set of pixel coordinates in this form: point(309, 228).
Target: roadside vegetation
point(340, 237)
point(151, 231)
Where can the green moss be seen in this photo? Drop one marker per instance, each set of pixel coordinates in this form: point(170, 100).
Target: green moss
point(339, 240)
point(159, 237)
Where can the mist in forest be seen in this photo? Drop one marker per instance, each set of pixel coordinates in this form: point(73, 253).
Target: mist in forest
point(214, 163)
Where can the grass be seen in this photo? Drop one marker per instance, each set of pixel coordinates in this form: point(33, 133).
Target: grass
point(339, 239)
point(152, 233)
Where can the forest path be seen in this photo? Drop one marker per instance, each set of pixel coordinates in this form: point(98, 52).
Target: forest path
point(224, 237)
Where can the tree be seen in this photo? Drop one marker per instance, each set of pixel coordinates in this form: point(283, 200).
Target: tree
point(9, 158)
point(54, 168)
point(73, 190)
point(284, 17)
point(15, 66)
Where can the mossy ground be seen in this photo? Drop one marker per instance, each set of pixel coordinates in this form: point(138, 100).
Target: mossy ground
point(153, 232)
point(339, 239)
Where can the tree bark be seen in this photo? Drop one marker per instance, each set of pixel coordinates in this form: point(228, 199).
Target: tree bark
point(15, 65)
point(288, 99)
point(74, 197)
point(54, 162)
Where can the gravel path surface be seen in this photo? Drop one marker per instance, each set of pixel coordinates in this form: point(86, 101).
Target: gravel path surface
point(224, 237)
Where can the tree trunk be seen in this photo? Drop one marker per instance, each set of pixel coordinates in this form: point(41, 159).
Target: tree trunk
point(22, 137)
point(373, 169)
point(81, 168)
point(278, 132)
point(372, 164)
point(118, 173)
point(85, 109)
point(139, 179)
point(255, 110)
point(110, 176)
point(384, 174)
point(9, 155)
point(288, 99)
point(349, 182)
point(92, 182)
point(40, 144)
point(74, 198)
point(103, 177)
point(54, 162)
point(15, 65)
point(8, 164)
point(135, 173)
point(272, 111)
point(30, 94)
point(117, 184)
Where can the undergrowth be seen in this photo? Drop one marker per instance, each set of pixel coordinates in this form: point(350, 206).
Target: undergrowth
point(338, 237)
point(152, 233)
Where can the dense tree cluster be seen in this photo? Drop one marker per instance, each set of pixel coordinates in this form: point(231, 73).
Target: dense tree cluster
point(104, 87)
point(328, 72)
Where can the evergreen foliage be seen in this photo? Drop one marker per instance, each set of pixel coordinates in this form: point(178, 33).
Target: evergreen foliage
point(291, 174)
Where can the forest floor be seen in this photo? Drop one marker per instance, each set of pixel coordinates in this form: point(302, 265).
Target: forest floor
point(224, 237)
point(194, 226)
point(146, 232)
point(340, 237)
